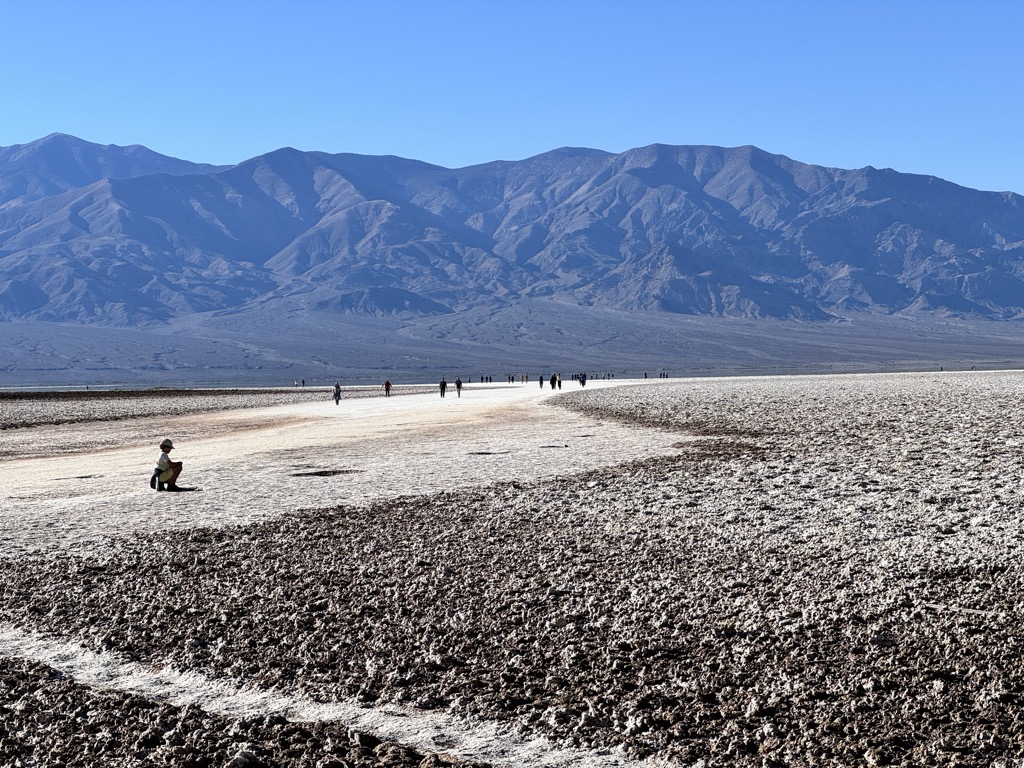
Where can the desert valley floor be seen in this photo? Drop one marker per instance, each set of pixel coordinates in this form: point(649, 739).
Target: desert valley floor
point(758, 571)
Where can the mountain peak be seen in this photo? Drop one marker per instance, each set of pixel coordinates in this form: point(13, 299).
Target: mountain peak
point(59, 162)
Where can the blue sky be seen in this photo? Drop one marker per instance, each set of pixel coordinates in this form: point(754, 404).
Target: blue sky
point(928, 87)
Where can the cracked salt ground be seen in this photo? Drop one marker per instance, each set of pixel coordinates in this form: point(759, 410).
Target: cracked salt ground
point(798, 570)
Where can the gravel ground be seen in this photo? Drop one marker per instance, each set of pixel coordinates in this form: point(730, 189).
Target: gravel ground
point(20, 412)
point(30, 409)
point(830, 576)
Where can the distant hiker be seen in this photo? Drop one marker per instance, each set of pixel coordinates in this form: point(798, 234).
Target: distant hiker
point(387, 388)
point(559, 381)
point(554, 381)
point(443, 386)
point(542, 381)
point(583, 379)
point(165, 475)
point(337, 393)
point(458, 386)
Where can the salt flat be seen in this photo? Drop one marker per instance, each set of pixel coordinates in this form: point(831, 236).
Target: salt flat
point(68, 484)
point(745, 571)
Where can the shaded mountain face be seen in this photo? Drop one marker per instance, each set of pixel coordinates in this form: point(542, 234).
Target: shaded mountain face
point(123, 236)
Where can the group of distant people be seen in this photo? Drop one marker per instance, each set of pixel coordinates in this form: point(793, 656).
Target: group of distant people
point(443, 386)
point(554, 381)
point(386, 386)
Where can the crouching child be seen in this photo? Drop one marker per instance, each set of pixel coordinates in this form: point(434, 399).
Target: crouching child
point(165, 476)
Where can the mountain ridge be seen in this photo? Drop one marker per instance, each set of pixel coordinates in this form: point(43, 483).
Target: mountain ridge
point(59, 162)
point(124, 237)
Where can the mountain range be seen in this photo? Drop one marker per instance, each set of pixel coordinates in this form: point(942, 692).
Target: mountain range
point(620, 256)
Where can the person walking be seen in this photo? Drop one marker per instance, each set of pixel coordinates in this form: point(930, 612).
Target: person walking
point(443, 386)
point(387, 388)
point(337, 393)
point(458, 386)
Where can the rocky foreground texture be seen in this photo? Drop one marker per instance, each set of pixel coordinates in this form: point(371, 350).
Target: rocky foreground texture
point(830, 576)
point(48, 720)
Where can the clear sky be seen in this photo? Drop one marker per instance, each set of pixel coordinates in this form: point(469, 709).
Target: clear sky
point(922, 86)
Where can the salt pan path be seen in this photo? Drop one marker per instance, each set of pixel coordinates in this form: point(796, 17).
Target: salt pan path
point(260, 463)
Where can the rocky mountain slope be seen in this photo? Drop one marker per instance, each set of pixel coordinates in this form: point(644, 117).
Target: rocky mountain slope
point(59, 162)
point(614, 255)
point(123, 236)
